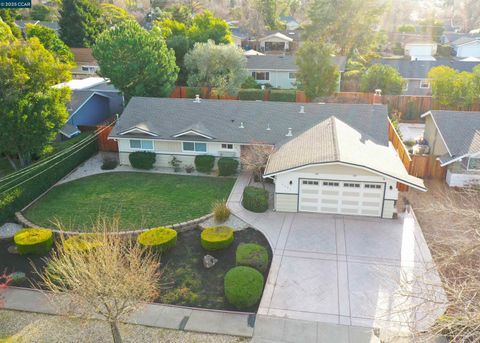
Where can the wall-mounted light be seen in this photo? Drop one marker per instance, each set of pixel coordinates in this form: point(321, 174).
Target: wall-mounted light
point(291, 182)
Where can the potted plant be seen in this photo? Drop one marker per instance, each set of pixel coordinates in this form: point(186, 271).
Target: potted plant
point(189, 169)
point(175, 163)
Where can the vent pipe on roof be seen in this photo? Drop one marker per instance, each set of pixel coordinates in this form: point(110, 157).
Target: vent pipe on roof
point(241, 125)
point(197, 99)
point(289, 133)
point(302, 109)
point(268, 127)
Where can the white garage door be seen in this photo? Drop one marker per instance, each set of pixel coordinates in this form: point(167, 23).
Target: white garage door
point(341, 197)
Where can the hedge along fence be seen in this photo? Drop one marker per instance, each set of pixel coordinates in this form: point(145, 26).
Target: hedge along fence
point(285, 95)
point(19, 189)
point(251, 94)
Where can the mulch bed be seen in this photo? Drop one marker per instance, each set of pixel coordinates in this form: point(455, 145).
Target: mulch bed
point(185, 281)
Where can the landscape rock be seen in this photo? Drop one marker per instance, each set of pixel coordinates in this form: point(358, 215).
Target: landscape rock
point(8, 230)
point(12, 249)
point(209, 261)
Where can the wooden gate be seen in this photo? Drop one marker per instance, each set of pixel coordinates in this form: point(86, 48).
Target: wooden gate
point(427, 167)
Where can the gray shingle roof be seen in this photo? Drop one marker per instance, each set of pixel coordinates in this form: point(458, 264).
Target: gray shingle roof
point(419, 69)
point(167, 117)
point(465, 40)
point(287, 63)
point(460, 131)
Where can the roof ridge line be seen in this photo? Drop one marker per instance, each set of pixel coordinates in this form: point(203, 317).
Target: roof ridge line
point(335, 137)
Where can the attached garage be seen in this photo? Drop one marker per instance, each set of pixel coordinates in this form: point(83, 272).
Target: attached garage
point(332, 168)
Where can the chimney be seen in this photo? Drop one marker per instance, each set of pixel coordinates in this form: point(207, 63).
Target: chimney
point(377, 97)
point(197, 99)
point(289, 133)
point(302, 109)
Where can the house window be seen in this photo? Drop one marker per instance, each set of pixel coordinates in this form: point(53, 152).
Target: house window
point(292, 76)
point(141, 144)
point(474, 163)
point(372, 186)
point(331, 184)
point(90, 69)
point(351, 185)
point(227, 146)
point(315, 183)
point(194, 146)
point(261, 75)
point(424, 84)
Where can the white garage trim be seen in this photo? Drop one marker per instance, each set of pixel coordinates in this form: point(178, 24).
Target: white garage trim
point(347, 197)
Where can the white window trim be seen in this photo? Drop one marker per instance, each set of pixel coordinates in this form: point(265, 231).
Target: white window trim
point(424, 82)
point(139, 130)
point(141, 149)
point(189, 132)
point(267, 73)
point(227, 148)
point(194, 151)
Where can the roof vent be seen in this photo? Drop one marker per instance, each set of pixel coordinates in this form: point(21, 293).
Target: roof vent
point(289, 133)
point(197, 99)
point(302, 109)
point(268, 127)
point(241, 125)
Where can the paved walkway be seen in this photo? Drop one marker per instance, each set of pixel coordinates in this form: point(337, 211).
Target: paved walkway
point(163, 316)
point(348, 271)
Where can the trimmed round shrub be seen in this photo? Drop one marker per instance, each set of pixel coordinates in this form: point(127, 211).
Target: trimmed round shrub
point(255, 199)
point(217, 237)
point(243, 287)
point(252, 255)
point(33, 241)
point(227, 166)
point(204, 163)
point(82, 242)
point(142, 159)
point(160, 239)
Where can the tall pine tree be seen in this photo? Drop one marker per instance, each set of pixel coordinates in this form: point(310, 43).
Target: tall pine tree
point(80, 23)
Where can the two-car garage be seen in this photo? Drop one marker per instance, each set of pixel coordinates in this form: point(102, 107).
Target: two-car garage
point(341, 197)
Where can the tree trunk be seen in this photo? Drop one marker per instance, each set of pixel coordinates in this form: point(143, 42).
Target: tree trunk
point(115, 333)
point(12, 162)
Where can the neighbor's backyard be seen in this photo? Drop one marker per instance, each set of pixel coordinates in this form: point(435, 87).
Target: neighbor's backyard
point(140, 200)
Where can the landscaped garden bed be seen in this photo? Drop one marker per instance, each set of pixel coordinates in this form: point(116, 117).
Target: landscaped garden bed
point(141, 200)
point(185, 280)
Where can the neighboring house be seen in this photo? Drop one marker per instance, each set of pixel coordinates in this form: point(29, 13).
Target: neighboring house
point(467, 46)
point(329, 158)
point(416, 72)
point(253, 53)
point(21, 24)
point(241, 37)
point(87, 66)
point(94, 101)
point(290, 23)
point(421, 51)
point(275, 43)
point(280, 71)
point(454, 137)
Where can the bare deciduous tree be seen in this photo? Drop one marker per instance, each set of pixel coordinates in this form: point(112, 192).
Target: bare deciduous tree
point(111, 279)
point(255, 157)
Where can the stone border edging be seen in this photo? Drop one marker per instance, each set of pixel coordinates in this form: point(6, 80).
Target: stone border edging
point(179, 227)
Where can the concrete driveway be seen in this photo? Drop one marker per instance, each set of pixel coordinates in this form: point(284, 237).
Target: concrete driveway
point(354, 271)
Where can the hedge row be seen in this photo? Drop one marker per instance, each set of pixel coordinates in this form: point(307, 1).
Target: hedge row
point(19, 189)
point(250, 94)
point(286, 95)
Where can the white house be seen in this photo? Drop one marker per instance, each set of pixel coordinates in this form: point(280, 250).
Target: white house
point(280, 71)
point(421, 51)
point(454, 137)
point(467, 46)
point(329, 158)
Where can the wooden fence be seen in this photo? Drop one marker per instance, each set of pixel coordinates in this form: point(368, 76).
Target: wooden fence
point(104, 144)
point(402, 151)
point(427, 167)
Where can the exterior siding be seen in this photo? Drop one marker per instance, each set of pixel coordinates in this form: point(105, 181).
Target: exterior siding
point(461, 180)
point(278, 79)
point(286, 202)
point(431, 134)
point(94, 112)
point(471, 50)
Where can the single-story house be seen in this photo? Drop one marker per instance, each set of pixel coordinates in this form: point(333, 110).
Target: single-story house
point(328, 158)
point(94, 101)
point(87, 65)
point(467, 46)
point(280, 71)
point(454, 137)
point(421, 51)
point(416, 72)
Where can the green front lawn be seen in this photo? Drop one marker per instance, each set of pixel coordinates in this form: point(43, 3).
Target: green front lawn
point(140, 200)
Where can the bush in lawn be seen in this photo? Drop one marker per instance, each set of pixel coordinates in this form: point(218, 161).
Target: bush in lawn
point(204, 163)
point(142, 159)
point(283, 95)
point(109, 164)
point(250, 94)
point(255, 199)
point(252, 255)
point(227, 166)
point(82, 242)
point(33, 241)
point(243, 287)
point(220, 211)
point(217, 237)
point(161, 239)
